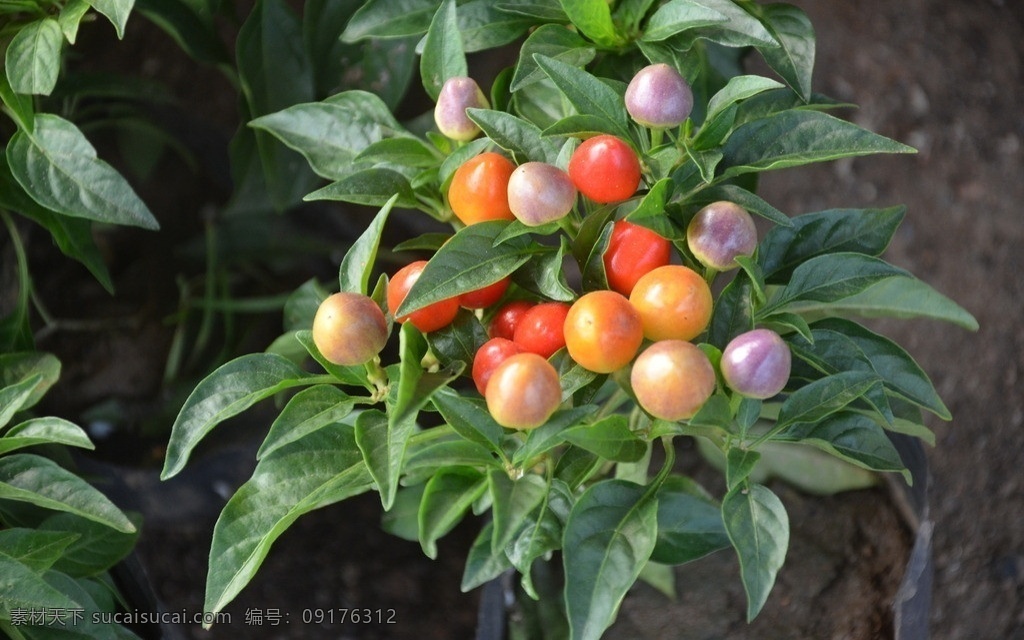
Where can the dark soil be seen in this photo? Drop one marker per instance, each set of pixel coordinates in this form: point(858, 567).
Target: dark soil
point(943, 76)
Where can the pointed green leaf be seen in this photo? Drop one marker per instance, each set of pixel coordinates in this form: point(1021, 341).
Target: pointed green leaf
point(469, 261)
point(608, 539)
point(447, 497)
point(358, 263)
point(677, 16)
point(551, 434)
point(44, 431)
point(843, 345)
point(17, 367)
point(383, 448)
point(443, 56)
point(483, 562)
point(739, 464)
point(594, 19)
point(794, 58)
point(36, 549)
point(850, 436)
point(866, 231)
point(229, 390)
point(469, 418)
point(332, 132)
point(610, 438)
point(825, 396)
point(758, 527)
point(22, 107)
point(390, 19)
point(734, 311)
point(831, 277)
point(896, 297)
point(374, 186)
point(519, 137)
point(354, 375)
point(57, 166)
point(30, 478)
point(94, 548)
point(588, 94)
point(512, 501)
point(17, 396)
point(117, 11)
point(23, 588)
point(738, 29)
point(553, 41)
point(323, 468)
point(689, 523)
point(307, 411)
point(798, 137)
point(33, 57)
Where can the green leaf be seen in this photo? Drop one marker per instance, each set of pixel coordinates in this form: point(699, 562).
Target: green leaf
point(358, 263)
point(228, 391)
point(44, 431)
point(308, 410)
point(33, 57)
point(30, 478)
point(519, 137)
point(798, 137)
point(376, 187)
point(551, 434)
point(447, 497)
point(323, 468)
point(17, 367)
point(594, 19)
point(459, 341)
point(483, 562)
point(588, 94)
point(737, 89)
point(383, 438)
point(37, 550)
point(70, 17)
point(544, 274)
point(117, 11)
point(734, 311)
point(794, 58)
point(739, 464)
point(406, 152)
point(758, 527)
point(16, 396)
point(23, 588)
point(677, 16)
point(866, 231)
point(443, 56)
point(553, 41)
point(850, 436)
point(424, 459)
point(274, 73)
point(484, 25)
point(469, 418)
point(610, 438)
point(469, 261)
point(825, 396)
point(94, 547)
point(689, 523)
point(332, 132)
point(58, 168)
point(390, 19)
point(831, 277)
point(512, 501)
point(22, 107)
point(843, 345)
point(608, 539)
point(896, 297)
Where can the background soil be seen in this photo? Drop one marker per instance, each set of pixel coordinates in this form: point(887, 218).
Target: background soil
point(943, 76)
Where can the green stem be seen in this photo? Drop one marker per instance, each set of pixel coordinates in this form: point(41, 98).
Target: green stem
point(657, 134)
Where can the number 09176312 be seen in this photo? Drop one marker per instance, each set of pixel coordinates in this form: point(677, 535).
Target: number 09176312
point(351, 616)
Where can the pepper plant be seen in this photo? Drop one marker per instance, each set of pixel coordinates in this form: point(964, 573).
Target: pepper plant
point(565, 444)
